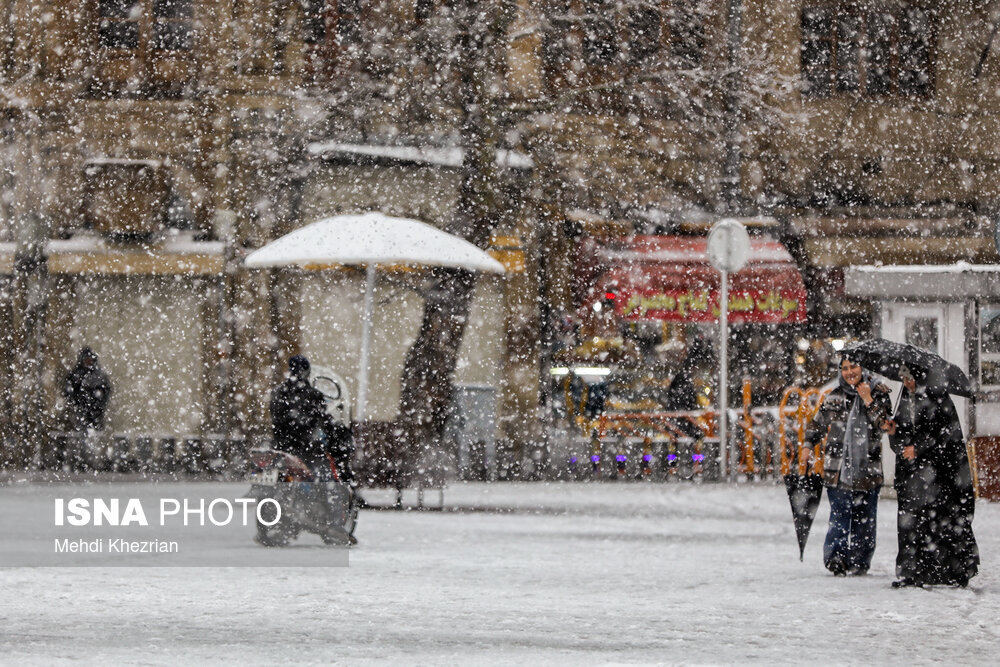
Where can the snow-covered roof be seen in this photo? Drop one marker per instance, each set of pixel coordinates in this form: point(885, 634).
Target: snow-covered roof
point(451, 156)
point(181, 245)
point(957, 267)
point(759, 254)
point(958, 281)
point(91, 253)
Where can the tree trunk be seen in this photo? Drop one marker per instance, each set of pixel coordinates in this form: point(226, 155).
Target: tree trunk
point(428, 374)
point(430, 361)
point(30, 298)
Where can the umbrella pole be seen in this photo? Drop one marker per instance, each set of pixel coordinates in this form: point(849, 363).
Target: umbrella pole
point(366, 333)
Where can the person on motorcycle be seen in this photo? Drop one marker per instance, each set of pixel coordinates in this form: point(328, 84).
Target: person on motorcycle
point(301, 425)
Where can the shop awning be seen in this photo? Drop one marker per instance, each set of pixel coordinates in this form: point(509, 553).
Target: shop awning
point(670, 278)
point(95, 255)
point(923, 282)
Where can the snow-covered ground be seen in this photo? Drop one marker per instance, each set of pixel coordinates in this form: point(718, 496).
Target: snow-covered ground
point(519, 574)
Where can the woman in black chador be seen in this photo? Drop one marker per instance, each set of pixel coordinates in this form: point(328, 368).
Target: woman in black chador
point(934, 487)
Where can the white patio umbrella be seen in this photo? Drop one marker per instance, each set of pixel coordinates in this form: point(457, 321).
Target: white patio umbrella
point(370, 240)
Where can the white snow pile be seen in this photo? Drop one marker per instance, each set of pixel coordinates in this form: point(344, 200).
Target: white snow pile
point(566, 574)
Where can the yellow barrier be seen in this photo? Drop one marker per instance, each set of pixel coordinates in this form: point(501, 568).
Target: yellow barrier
point(798, 406)
point(748, 462)
point(808, 404)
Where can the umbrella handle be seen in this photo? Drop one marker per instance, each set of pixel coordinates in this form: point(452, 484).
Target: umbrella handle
point(803, 464)
point(970, 451)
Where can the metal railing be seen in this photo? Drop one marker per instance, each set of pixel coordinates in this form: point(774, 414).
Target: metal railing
point(190, 454)
point(664, 445)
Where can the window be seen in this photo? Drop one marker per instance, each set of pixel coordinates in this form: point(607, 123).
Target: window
point(145, 47)
point(125, 199)
point(922, 332)
point(600, 38)
point(331, 19)
point(259, 39)
point(587, 42)
point(172, 28)
point(915, 52)
point(119, 27)
point(687, 42)
point(817, 51)
point(989, 345)
point(166, 25)
point(644, 27)
point(848, 53)
point(329, 28)
point(422, 9)
point(878, 53)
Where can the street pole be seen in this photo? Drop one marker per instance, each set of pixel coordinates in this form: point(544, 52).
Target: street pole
point(728, 250)
point(724, 373)
point(732, 192)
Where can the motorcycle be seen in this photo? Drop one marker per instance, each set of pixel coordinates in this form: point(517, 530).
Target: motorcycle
point(328, 509)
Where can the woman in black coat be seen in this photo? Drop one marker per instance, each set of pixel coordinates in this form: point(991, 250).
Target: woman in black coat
point(934, 490)
point(87, 391)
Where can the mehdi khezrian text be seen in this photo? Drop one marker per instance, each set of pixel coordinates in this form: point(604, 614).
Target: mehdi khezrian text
point(116, 545)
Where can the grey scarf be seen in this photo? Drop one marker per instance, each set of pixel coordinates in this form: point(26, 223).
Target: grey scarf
point(856, 436)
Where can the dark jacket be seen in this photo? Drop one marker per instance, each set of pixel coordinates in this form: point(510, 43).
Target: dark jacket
point(87, 391)
point(681, 395)
point(831, 422)
point(299, 418)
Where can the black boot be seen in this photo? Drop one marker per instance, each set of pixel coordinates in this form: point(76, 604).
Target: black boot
point(838, 566)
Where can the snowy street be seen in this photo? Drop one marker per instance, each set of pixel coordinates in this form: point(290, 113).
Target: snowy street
point(522, 574)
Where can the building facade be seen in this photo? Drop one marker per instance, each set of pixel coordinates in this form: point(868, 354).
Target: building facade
point(864, 131)
point(149, 145)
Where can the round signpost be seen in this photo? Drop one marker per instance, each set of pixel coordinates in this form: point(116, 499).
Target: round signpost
point(728, 251)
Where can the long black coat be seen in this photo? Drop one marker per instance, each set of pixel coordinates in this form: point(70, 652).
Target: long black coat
point(87, 391)
point(934, 491)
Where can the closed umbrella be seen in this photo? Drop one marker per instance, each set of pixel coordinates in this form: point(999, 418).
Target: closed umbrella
point(370, 240)
point(804, 486)
point(805, 490)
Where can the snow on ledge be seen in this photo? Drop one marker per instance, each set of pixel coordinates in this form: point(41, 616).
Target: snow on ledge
point(443, 157)
point(957, 267)
point(102, 161)
point(91, 243)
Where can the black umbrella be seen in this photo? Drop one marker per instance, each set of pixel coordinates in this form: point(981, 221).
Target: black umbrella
point(886, 357)
point(804, 493)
